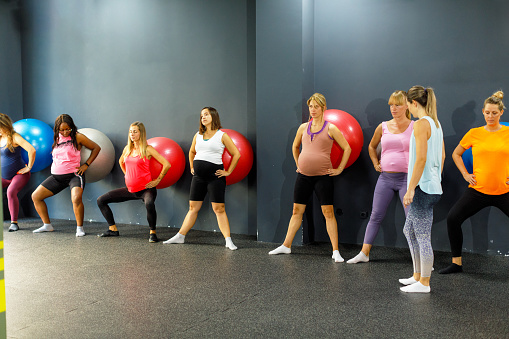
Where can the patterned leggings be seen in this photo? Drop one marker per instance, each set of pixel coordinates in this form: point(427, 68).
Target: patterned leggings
point(418, 231)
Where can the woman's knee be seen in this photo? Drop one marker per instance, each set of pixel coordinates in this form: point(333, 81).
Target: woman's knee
point(328, 212)
point(76, 199)
point(218, 208)
point(12, 194)
point(102, 200)
point(194, 206)
point(36, 196)
point(298, 209)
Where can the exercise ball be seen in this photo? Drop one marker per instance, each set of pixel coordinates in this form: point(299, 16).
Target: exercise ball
point(468, 159)
point(172, 152)
point(246, 157)
point(352, 132)
point(39, 135)
point(105, 160)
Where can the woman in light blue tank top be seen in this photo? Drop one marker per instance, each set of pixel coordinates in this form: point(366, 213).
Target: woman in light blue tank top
point(426, 160)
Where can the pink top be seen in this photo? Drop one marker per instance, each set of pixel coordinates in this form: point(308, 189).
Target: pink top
point(314, 160)
point(395, 149)
point(137, 173)
point(66, 158)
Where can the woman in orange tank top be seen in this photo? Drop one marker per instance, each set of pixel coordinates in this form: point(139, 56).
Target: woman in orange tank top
point(315, 172)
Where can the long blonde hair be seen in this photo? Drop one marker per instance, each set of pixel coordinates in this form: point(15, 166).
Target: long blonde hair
point(142, 142)
point(426, 98)
point(6, 124)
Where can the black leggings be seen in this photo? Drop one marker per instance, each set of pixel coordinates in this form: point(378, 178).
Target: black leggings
point(122, 194)
point(469, 204)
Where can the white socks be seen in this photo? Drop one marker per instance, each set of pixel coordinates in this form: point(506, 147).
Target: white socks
point(79, 231)
point(337, 257)
point(361, 257)
point(416, 288)
point(281, 250)
point(44, 228)
point(229, 244)
point(408, 281)
point(176, 239)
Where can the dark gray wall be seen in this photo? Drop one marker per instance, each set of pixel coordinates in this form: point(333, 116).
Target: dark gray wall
point(11, 96)
point(279, 83)
point(364, 50)
point(109, 63)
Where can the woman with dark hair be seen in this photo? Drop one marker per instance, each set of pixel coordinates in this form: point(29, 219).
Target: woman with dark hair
point(135, 163)
point(15, 173)
point(209, 175)
point(489, 182)
point(315, 172)
point(66, 170)
point(424, 189)
point(394, 137)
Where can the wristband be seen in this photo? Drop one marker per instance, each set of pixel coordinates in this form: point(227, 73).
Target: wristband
point(86, 163)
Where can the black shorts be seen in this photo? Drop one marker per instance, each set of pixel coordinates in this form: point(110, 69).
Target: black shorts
point(205, 180)
point(58, 182)
point(323, 185)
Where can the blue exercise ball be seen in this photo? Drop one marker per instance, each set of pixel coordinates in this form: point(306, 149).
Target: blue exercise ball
point(468, 159)
point(39, 135)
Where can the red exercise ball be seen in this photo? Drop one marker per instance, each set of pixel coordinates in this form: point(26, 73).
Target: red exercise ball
point(246, 157)
point(352, 132)
point(172, 152)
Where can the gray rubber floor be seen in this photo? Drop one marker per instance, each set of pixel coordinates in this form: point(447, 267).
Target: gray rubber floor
point(60, 286)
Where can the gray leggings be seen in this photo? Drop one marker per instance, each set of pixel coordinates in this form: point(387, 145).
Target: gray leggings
point(418, 231)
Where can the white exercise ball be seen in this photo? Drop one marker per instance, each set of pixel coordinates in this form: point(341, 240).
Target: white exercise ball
point(104, 162)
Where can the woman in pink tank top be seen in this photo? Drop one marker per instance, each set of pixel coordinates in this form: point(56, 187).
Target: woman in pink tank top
point(135, 163)
point(394, 137)
point(315, 172)
point(66, 171)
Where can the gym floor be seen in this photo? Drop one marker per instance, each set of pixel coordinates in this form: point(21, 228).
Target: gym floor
point(60, 286)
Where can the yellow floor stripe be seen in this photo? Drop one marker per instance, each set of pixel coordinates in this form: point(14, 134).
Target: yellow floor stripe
point(2, 295)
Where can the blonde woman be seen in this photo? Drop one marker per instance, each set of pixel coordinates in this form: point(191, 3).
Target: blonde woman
point(488, 184)
point(394, 135)
point(315, 172)
point(135, 163)
point(15, 173)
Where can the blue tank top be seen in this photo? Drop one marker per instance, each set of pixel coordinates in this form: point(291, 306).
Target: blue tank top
point(11, 162)
point(431, 178)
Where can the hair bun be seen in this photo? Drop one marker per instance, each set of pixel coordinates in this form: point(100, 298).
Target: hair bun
point(498, 94)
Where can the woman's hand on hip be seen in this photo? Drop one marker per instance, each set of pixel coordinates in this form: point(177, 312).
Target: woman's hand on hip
point(222, 173)
point(470, 178)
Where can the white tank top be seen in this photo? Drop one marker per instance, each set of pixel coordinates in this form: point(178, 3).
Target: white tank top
point(210, 150)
